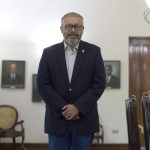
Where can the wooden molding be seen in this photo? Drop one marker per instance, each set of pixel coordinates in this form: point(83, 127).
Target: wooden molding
point(41, 146)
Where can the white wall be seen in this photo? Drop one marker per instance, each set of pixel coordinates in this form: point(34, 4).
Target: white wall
point(108, 24)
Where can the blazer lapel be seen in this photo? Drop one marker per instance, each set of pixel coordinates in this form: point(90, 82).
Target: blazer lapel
point(62, 61)
point(78, 62)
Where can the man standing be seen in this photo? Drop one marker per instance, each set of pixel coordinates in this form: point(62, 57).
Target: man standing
point(71, 79)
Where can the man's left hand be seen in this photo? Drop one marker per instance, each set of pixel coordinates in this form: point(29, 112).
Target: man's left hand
point(70, 112)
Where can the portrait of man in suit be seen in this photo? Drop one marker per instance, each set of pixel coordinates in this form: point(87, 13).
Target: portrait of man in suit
point(12, 74)
point(112, 80)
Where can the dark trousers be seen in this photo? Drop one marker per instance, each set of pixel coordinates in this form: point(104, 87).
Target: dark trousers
point(70, 139)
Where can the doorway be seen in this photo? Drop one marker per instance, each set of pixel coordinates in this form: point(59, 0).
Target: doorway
point(139, 69)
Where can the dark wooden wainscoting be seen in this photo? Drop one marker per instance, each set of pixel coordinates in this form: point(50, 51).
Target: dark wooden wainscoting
point(45, 147)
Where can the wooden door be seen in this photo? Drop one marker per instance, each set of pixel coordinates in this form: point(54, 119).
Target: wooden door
point(139, 69)
point(139, 72)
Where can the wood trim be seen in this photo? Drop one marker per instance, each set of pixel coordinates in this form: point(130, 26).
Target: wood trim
point(41, 146)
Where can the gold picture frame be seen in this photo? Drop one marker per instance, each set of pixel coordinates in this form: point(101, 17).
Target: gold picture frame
point(13, 74)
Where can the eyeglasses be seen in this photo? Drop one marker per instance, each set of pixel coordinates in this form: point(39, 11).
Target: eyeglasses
point(69, 27)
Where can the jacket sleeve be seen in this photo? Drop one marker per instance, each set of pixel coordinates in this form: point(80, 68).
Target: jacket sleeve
point(91, 96)
point(46, 91)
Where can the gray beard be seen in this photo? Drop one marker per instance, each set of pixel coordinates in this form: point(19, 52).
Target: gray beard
point(72, 42)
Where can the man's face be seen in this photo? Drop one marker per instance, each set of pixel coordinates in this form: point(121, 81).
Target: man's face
point(72, 35)
point(13, 68)
point(107, 71)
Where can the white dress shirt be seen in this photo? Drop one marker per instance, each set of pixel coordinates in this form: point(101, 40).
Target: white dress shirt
point(108, 78)
point(13, 76)
point(70, 59)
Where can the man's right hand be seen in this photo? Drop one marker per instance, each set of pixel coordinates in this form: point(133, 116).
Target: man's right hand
point(70, 112)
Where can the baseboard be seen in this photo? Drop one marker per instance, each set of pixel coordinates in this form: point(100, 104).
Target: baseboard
point(37, 146)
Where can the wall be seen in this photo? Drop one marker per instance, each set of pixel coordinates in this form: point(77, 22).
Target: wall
point(108, 24)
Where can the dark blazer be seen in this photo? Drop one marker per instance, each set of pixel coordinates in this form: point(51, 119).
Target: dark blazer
point(7, 79)
point(86, 87)
point(114, 82)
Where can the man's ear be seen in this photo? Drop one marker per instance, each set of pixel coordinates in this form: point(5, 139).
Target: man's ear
point(61, 28)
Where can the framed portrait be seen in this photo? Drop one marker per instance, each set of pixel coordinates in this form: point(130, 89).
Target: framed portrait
point(35, 94)
point(13, 74)
point(112, 71)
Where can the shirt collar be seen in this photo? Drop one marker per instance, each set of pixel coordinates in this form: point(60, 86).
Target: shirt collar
point(66, 47)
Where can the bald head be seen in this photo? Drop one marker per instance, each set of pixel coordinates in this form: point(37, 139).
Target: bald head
point(13, 68)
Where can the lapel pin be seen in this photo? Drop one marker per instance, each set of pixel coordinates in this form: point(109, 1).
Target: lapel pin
point(83, 51)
